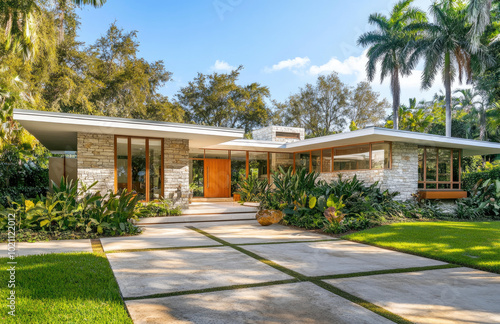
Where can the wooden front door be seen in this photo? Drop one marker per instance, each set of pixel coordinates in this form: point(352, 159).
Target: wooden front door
point(217, 178)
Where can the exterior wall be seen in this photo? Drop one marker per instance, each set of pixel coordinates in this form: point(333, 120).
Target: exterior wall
point(269, 134)
point(402, 177)
point(96, 160)
point(176, 175)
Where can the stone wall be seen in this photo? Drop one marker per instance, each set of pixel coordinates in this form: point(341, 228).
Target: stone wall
point(96, 160)
point(402, 177)
point(176, 176)
point(269, 134)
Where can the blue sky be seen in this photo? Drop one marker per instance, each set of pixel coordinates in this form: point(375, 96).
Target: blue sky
point(281, 44)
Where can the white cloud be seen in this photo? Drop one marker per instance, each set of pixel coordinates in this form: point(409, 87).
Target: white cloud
point(353, 65)
point(290, 64)
point(222, 66)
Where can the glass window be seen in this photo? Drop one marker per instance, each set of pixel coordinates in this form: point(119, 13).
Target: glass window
point(196, 177)
point(444, 165)
point(352, 158)
point(420, 164)
point(456, 166)
point(283, 160)
point(381, 155)
point(316, 161)
point(138, 150)
point(430, 164)
point(238, 168)
point(327, 160)
point(196, 153)
point(216, 154)
point(257, 164)
point(122, 163)
point(302, 161)
point(155, 174)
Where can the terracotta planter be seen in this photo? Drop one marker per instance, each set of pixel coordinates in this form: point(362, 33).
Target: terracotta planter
point(236, 197)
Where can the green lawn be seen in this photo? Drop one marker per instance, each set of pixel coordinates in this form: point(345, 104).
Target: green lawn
point(63, 288)
point(474, 244)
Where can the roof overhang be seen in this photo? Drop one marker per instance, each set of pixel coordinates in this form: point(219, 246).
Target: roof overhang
point(58, 131)
point(367, 135)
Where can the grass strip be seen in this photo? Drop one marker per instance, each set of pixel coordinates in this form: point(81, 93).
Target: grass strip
point(165, 248)
point(361, 302)
point(379, 272)
point(300, 277)
point(207, 290)
point(97, 246)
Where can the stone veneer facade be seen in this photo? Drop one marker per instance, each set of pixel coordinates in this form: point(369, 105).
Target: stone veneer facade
point(402, 177)
point(96, 162)
point(269, 134)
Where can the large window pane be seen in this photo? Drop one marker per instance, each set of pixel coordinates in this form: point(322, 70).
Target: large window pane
point(155, 174)
point(456, 165)
point(139, 166)
point(327, 160)
point(238, 168)
point(316, 161)
point(352, 158)
point(257, 164)
point(196, 177)
point(302, 161)
point(430, 164)
point(444, 166)
point(216, 154)
point(421, 164)
point(381, 155)
point(283, 160)
point(122, 163)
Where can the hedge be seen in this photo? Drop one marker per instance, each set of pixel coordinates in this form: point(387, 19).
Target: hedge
point(470, 179)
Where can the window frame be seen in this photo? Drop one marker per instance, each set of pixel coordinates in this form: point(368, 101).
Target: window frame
point(452, 182)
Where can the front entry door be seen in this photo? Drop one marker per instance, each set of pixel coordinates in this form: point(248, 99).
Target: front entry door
point(217, 178)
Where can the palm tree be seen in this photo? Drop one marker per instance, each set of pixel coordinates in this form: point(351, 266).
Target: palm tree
point(18, 18)
point(447, 48)
point(388, 46)
point(478, 14)
point(62, 6)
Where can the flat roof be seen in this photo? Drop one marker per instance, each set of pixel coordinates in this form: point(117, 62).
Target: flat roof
point(58, 131)
point(371, 134)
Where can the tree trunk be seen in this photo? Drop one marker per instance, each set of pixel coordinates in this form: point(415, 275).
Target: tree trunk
point(447, 86)
point(482, 124)
point(396, 93)
point(61, 25)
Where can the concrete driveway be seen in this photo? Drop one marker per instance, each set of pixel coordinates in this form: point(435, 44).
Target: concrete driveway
point(241, 272)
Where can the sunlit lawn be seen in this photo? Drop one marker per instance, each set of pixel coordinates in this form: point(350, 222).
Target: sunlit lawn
point(474, 244)
point(63, 288)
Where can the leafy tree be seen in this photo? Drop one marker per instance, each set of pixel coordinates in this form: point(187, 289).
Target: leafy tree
point(447, 49)
point(365, 106)
point(322, 109)
point(216, 100)
point(64, 5)
point(389, 47)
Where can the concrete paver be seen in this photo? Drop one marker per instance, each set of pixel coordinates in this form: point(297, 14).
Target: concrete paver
point(289, 303)
point(154, 272)
point(61, 246)
point(158, 236)
point(457, 295)
point(256, 233)
point(337, 257)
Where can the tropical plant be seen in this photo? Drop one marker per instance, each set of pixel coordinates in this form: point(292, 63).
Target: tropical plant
point(483, 201)
point(389, 47)
point(251, 188)
point(447, 49)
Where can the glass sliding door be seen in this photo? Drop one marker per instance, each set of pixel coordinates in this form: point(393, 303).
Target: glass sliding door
point(139, 166)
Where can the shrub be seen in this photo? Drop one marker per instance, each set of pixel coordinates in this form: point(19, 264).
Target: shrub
point(251, 188)
point(483, 201)
point(79, 210)
point(157, 208)
point(469, 180)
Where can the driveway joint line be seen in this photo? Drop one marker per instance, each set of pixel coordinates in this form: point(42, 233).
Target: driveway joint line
point(300, 277)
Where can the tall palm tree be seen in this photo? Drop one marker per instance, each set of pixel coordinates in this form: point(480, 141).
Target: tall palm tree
point(470, 104)
point(62, 6)
point(388, 46)
point(478, 14)
point(18, 19)
point(447, 49)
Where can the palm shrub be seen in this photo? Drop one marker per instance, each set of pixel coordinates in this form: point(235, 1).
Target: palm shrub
point(251, 188)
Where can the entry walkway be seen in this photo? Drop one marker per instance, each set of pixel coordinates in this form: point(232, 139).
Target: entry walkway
point(241, 272)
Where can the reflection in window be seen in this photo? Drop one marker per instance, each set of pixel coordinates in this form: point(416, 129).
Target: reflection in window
point(381, 155)
point(238, 168)
point(138, 150)
point(352, 158)
point(444, 165)
point(431, 164)
point(327, 160)
point(257, 164)
point(216, 154)
point(302, 161)
point(155, 173)
point(316, 161)
point(283, 160)
point(438, 168)
point(122, 163)
point(196, 177)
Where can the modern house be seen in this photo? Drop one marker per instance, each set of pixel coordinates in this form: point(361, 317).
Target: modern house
point(158, 159)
